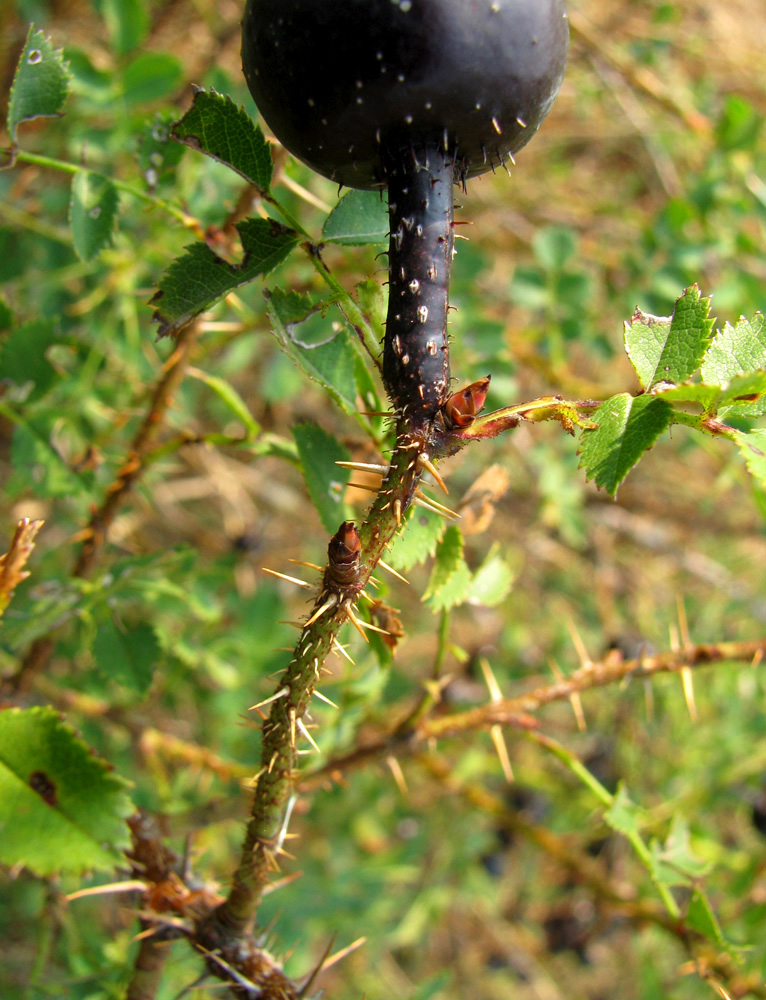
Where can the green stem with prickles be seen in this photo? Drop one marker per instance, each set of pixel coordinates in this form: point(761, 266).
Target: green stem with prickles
point(276, 779)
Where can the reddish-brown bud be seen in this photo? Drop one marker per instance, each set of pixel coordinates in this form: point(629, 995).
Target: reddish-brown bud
point(344, 555)
point(462, 406)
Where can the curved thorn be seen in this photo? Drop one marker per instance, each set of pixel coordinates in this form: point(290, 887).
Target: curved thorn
point(425, 463)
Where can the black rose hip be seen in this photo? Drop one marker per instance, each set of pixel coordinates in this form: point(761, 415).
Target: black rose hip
point(410, 95)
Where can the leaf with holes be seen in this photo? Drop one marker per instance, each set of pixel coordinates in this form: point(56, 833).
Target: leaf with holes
point(669, 348)
point(198, 279)
point(40, 85)
point(61, 809)
point(92, 212)
point(217, 127)
point(627, 427)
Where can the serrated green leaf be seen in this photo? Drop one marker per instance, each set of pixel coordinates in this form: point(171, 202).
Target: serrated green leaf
point(231, 398)
point(331, 363)
point(752, 447)
point(61, 810)
point(40, 85)
point(706, 396)
point(217, 127)
point(450, 576)
point(491, 582)
point(627, 427)
point(669, 349)
point(22, 357)
point(744, 393)
point(624, 815)
point(198, 279)
point(360, 217)
point(736, 350)
point(150, 77)
point(92, 213)
point(127, 656)
point(417, 540)
point(325, 481)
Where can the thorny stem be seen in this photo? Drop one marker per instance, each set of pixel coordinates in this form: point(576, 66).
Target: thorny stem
point(276, 779)
point(611, 670)
point(416, 375)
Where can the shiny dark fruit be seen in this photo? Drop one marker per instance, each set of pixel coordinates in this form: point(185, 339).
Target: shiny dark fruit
point(345, 85)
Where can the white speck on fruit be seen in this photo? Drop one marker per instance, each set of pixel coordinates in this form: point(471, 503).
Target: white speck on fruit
point(419, 229)
point(405, 359)
point(95, 212)
point(359, 84)
point(521, 122)
point(35, 56)
point(311, 102)
point(496, 126)
point(405, 5)
point(423, 314)
point(408, 119)
point(414, 285)
point(428, 105)
point(151, 176)
point(160, 133)
point(431, 347)
point(432, 272)
point(360, 100)
point(400, 77)
point(379, 56)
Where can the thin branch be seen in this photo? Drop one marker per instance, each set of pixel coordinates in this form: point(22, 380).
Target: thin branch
point(133, 466)
point(520, 709)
